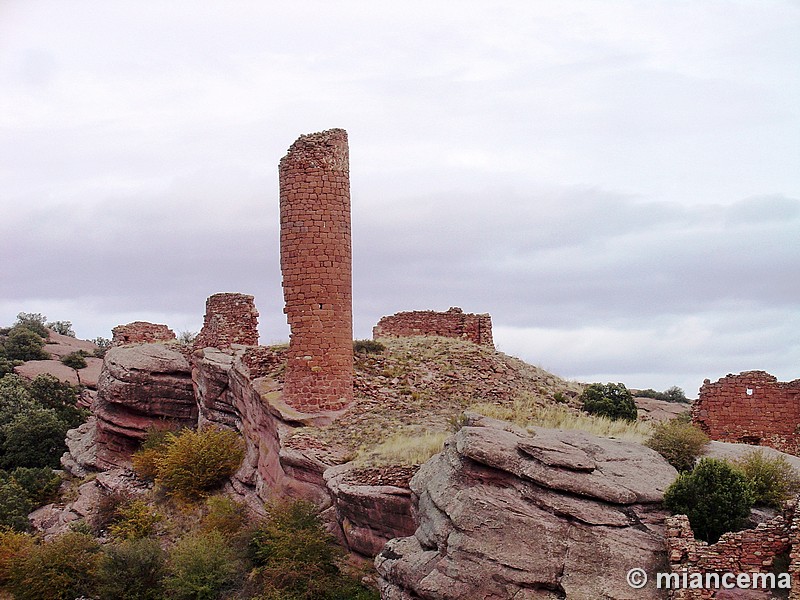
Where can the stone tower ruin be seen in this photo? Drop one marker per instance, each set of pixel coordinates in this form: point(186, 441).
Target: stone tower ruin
point(316, 262)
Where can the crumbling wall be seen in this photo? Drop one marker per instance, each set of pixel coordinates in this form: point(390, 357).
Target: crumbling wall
point(140, 332)
point(752, 407)
point(455, 323)
point(316, 262)
point(759, 550)
point(229, 319)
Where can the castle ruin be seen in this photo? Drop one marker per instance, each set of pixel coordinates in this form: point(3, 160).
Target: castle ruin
point(316, 262)
point(455, 323)
point(229, 319)
point(752, 407)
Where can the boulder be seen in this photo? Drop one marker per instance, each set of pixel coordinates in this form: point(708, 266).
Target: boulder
point(504, 513)
point(141, 386)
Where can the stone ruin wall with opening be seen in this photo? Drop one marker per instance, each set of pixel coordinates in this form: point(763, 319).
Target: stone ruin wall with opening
point(752, 407)
point(454, 323)
point(229, 319)
point(772, 547)
point(316, 262)
point(140, 332)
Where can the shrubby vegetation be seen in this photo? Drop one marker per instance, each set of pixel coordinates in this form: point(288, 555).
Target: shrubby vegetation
point(286, 556)
point(189, 464)
point(34, 419)
point(673, 394)
point(368, 347)
point(612, 400)
point(771, 480)
point(714, 495)
point(678, 441)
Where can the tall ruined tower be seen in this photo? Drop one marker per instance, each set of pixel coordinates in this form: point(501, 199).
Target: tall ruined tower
point(316, 262)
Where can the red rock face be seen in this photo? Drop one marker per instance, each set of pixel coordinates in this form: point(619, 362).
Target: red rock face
point(454, 323)
point(141, 386)
point(229, 319)
point(140, 332)
point(316, 266)
point(752, 407)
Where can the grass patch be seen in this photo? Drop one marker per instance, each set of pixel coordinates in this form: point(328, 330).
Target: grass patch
point(404, 449)
point(525, 412)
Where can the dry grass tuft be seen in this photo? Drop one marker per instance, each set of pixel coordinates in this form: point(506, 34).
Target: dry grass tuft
point(526, 413)
point(403, 449)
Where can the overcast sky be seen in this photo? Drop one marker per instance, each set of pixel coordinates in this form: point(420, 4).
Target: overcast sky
point(616, 182)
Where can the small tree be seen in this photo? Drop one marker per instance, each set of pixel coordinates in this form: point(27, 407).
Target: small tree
point(612, 400)
point(33, 322)
point(62, 327)
point(675, 394)
point(715, 496)
point(24, 344)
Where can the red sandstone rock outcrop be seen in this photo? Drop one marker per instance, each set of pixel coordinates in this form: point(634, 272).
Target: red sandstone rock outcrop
point(316, 264)
point(141, 385)
point(454, 323)
point(553, 514)
point(141, 332)
point(58, 346)
point(752, 407)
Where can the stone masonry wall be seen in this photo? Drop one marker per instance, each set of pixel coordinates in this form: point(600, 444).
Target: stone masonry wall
point(316, 265)
point(748, 551)
point(229, 319)
point(752, 407)
point(454, 323)
point(140, 332)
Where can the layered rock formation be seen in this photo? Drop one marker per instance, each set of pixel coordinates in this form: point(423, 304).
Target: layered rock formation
point(141, 386)
point(507, 514)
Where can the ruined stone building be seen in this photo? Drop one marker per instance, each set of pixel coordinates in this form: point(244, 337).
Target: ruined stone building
point(752, 407)
point(454, 323)
point(316, 262)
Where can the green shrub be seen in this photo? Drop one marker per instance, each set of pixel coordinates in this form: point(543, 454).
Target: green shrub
point(14, 506)
point(679, 442)
point(6, 365)
point(202, 566)
point(24, 344)
point(134, 520)
point(34, 438)
point(771, 480)
point(50, 392)
point(368, 347)
point(74, 360)
point(59, 570)
point(194, 463)
point(297, 558)
point(40, 483)
point(131, 570)
point(609, 400)
point(714, 495)
point(225, 515)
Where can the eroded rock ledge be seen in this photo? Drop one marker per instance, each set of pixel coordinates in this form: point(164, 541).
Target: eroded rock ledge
point(504, 513)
